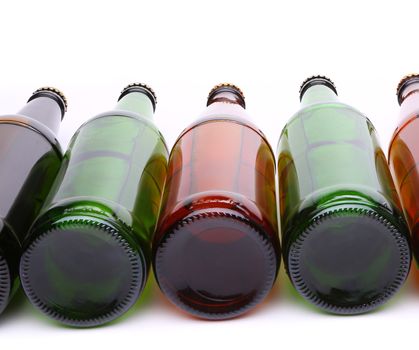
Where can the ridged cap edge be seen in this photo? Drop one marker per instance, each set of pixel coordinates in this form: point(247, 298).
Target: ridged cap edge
point(140, 87)
point(54, 93)
point(227, 87)
point(404, 82)
point(316, 80)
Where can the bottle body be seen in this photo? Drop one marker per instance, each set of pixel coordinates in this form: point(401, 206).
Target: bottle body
point(403, 156)
point(30, 157)
point(344, 238)
point(88, 256)
point(216, 247)
point(403, 160)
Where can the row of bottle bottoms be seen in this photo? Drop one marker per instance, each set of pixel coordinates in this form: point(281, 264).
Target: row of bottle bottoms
point(81, 231)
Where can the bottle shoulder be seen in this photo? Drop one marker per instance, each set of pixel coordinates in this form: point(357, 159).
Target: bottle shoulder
point(337, 106)
point(407, 123)
point(338, 109)
point(130, 116)
point(224, 118)
point(34, 126)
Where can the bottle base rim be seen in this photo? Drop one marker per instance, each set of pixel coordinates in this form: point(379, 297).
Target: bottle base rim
point(259, 238)
point(295, 272)
point(135, 260)
point(5, 283)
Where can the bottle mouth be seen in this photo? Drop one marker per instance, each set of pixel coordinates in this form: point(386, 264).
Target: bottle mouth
point(349, 261)
point(226, 88)
point(215, 265)
point(316, 80)
point(143, 88)
point(404, 83)
point(5, 283)
point(82, 272)
point(54, 94)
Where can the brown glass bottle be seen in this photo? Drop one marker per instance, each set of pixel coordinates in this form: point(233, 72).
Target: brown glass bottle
point(30, 157)
point(216, 250)
point(403, 154)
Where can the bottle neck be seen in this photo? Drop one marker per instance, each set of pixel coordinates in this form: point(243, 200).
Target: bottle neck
point(409, 98)
point(225, 103)
point(318, 94)
point(44, 110)
point(136, 102)
point(230, 97)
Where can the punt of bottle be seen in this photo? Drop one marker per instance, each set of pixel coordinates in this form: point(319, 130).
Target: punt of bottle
point(30, 157)
point(404, 154)
point(88, 254)
point(216, 249)
point(345, 241)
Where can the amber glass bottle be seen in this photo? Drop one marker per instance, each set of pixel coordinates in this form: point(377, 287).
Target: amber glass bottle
point(88, 254)
point(30, 158)
point(216, 250)
point(403, 154)
point(345, 241)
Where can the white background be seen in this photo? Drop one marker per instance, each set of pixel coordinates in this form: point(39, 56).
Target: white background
point(92, 49)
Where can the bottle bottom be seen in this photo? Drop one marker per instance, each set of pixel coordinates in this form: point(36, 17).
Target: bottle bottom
point(82, 272)
point(5, 283)
point(349, 261)
point(215, 265)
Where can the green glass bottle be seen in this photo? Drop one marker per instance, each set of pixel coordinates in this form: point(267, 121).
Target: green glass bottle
point(88, 255)
point(30, 157)
point(345, 241)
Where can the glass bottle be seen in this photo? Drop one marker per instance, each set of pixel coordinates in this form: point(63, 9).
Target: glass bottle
point(345, 241)
point(88, 254)
point(403, 154)
point(216, 249)
point(30, 157)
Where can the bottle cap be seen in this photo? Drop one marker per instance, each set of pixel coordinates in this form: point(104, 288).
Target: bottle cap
point(139, 87)
point(316, 80)
point(226, 87)
point(405, 82)
point(53, 93)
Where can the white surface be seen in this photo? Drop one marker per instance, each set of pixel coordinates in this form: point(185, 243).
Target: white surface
point(91, 50)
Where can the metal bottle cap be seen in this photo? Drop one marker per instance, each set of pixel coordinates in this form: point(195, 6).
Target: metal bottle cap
point(226, 87)
point(317, 80)
point(53, 93)
point(405, 82)
point(140, 87)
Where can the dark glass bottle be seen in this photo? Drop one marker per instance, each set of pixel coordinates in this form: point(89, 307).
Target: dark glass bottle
point(30, 157)
point(345, 241)
point(88, 254)
point(216, 249)
point(403, 154)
